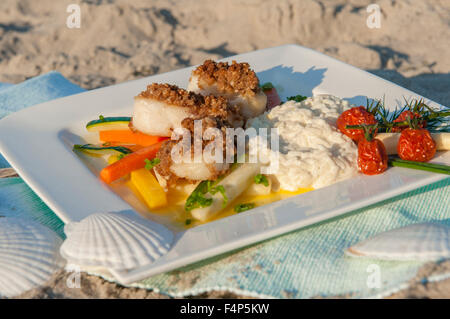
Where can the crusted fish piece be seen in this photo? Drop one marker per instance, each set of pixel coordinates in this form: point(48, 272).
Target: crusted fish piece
point(190, 168)
point(229, 78)
point(171, 95)
point(236, 81)
point(162, 107)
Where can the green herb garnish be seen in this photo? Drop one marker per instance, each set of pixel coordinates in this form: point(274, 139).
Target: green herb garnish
point(376, 107)
point(93, 148)
point(149, 164)
point(101, 117)
point(221, 190)
point(243, 207)
point(188, 222)
point(267, 86)
point(436, 120)
point(297, 98)
point(261, 179)
point(197, 201)
point(120, 156)
point(430, 167)
point(197, 198)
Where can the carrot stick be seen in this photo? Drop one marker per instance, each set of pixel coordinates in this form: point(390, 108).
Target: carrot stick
point(129, 163)
point(128, 136)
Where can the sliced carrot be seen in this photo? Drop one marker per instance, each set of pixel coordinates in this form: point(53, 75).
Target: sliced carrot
point(128, 136)
point(272, 98)
point(129, 163)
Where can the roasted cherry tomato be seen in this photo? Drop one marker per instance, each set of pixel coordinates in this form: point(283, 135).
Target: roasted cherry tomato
point(355, 116)
point(372, 157)
point(404, 116)
point(273, 99)
point(416, 145)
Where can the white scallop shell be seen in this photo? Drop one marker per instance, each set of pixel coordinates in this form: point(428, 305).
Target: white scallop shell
point(424, 242)
point(29, 255)
point(115, 240)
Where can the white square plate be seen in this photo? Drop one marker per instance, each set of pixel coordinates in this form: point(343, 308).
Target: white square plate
point(38, 143)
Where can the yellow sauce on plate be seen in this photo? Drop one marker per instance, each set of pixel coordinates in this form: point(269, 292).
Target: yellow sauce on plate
point(178, 198)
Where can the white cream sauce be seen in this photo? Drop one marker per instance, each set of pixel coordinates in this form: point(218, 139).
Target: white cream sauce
point(312, 152)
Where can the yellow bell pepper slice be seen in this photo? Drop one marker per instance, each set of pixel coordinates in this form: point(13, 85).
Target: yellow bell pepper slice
point(112, 159)
point(149, 188)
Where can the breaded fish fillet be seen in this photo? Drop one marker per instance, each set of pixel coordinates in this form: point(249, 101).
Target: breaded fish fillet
point(190, 169)
point(161, 108)
point(236, 81)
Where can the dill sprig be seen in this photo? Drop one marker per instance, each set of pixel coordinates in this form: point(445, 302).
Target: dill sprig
point(436, 120)
point(376, 107)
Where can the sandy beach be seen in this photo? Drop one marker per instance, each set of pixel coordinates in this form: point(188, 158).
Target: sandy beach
point(121, 40)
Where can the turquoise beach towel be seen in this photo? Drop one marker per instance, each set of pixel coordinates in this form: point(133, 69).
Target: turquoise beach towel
point(302, 264)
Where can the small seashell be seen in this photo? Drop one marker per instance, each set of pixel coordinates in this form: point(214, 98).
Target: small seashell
point(29, 255)
point(115, 240)
point(424, 242)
